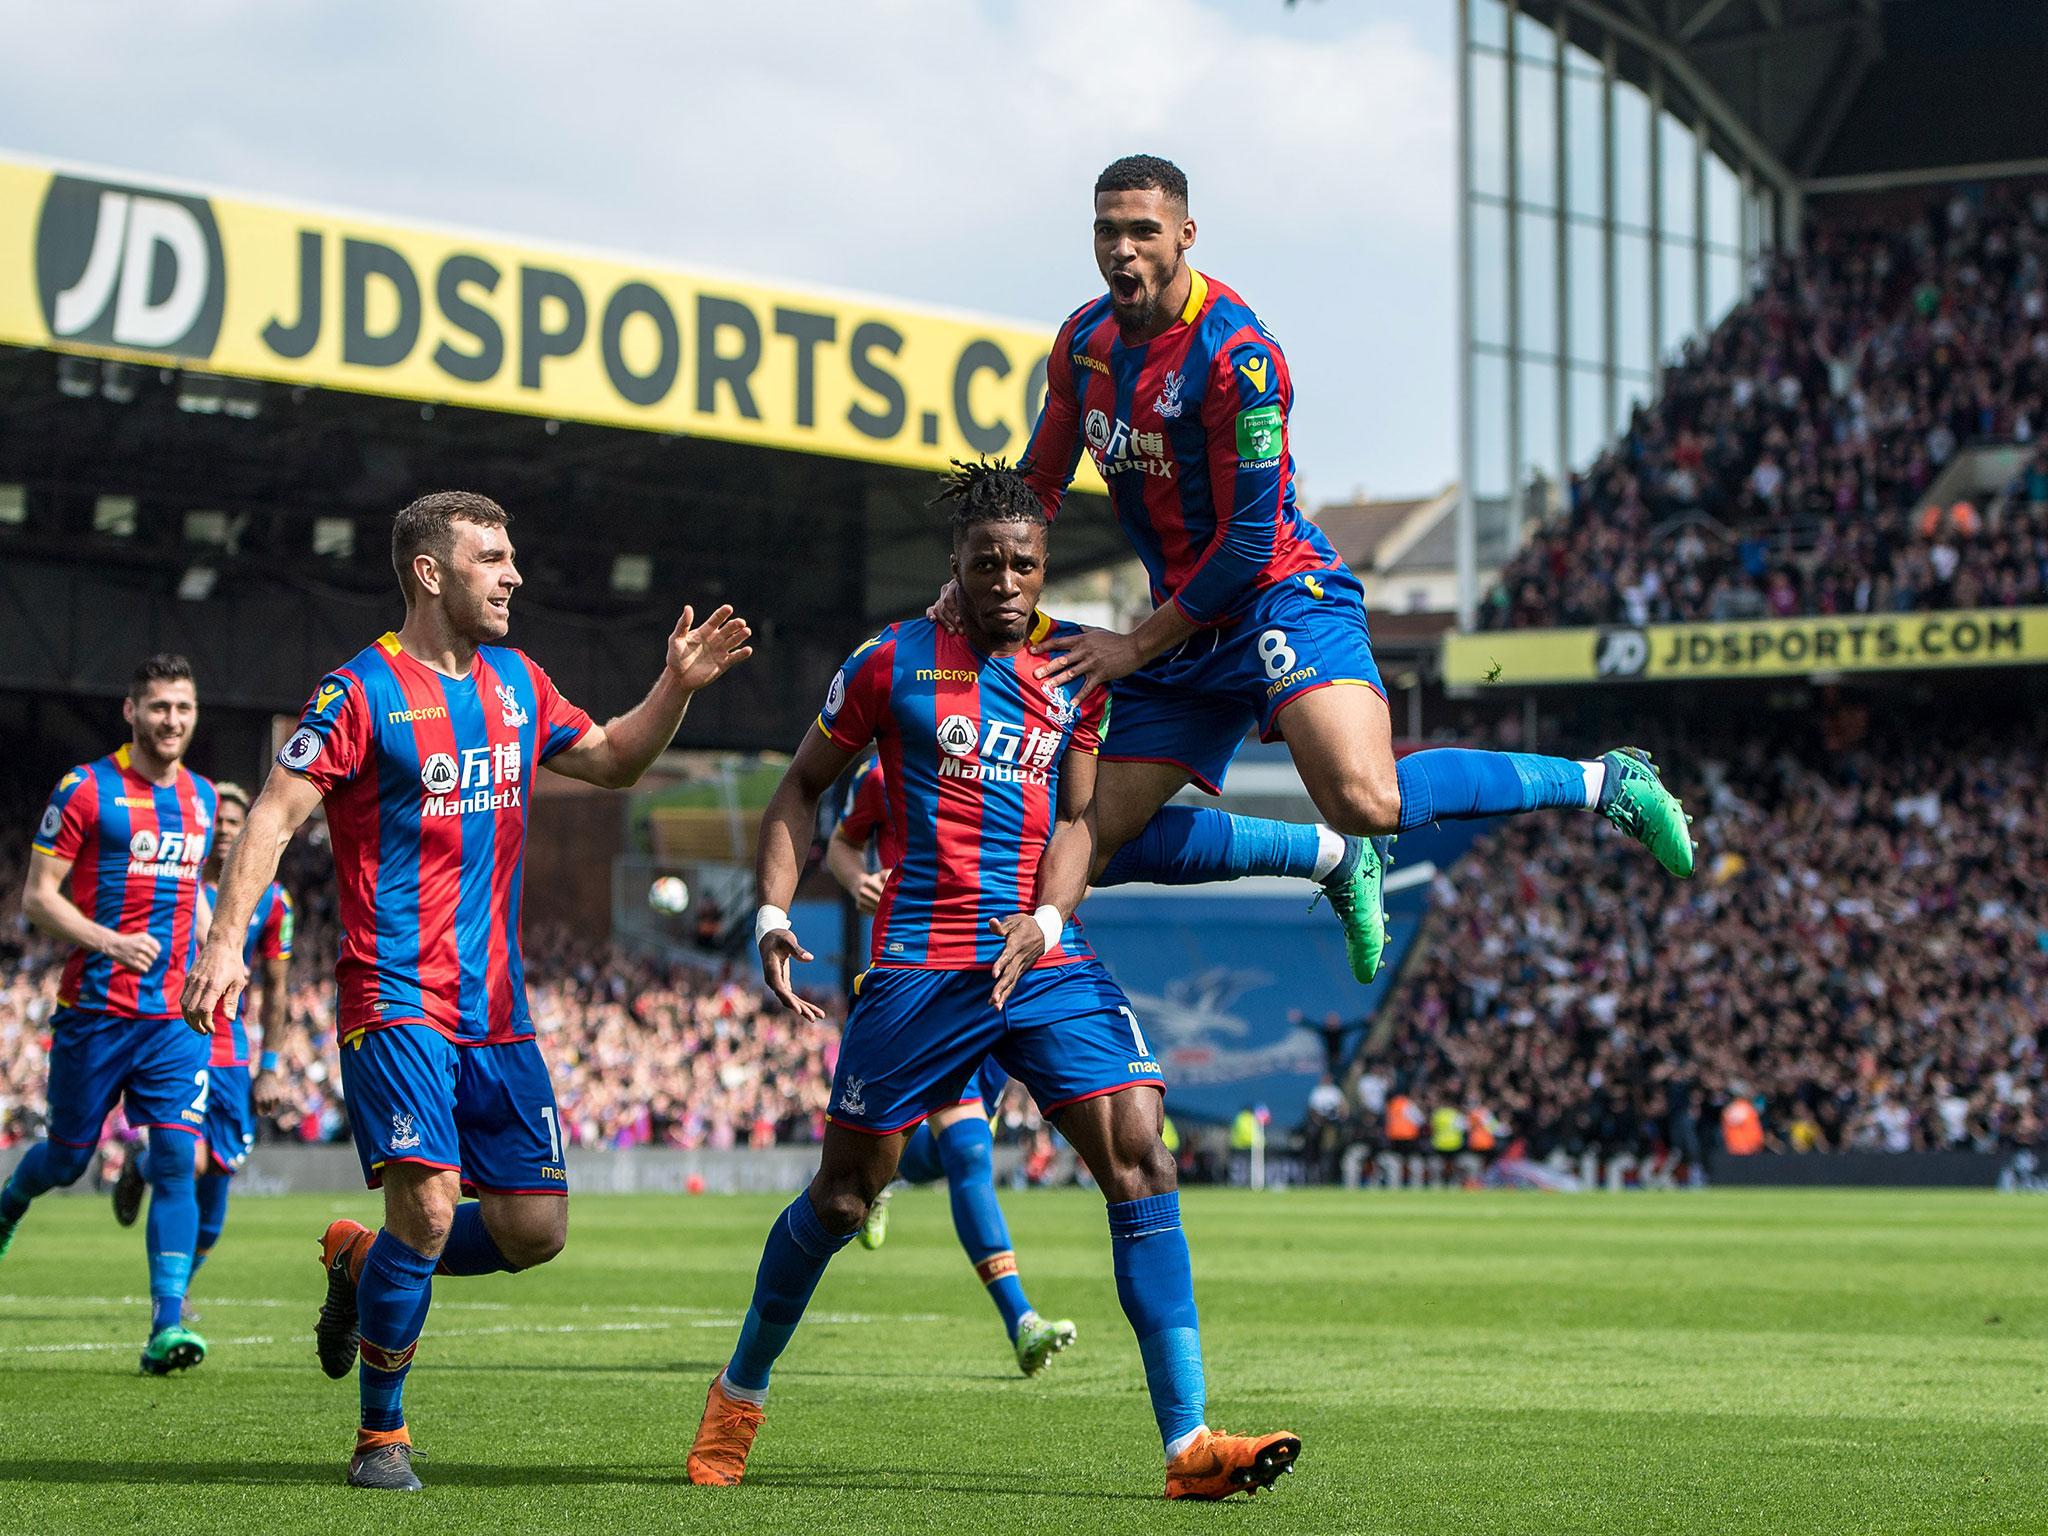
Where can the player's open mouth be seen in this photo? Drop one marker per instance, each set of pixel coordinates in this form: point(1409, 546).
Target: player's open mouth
point(1125, 287)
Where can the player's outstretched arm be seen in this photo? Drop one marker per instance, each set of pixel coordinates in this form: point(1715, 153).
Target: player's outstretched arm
point(1062, 877)
point(615, 754)
point(218, 975)
point(269, 1088)
point(786, 828)
point(44, 903)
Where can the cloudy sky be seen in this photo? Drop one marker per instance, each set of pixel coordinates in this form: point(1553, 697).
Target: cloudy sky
point(936, 150)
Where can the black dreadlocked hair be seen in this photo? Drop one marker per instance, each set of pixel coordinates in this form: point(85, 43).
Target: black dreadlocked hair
point(988, 491)
point(1144, 173)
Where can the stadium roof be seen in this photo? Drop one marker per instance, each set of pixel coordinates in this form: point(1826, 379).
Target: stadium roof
point(1836, 94)
point(210, 408)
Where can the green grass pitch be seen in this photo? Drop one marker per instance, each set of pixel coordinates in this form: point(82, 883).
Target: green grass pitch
point(1460, 1363)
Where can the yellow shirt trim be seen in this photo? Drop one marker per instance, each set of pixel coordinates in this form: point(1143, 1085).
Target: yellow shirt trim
point(1196, 296)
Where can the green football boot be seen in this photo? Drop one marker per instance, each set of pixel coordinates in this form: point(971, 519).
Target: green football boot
point(1635, 800)
point(1354, 891)
point(1038, 1341)
point(7, 1233)
point(875, 1230)
point(176, 1348)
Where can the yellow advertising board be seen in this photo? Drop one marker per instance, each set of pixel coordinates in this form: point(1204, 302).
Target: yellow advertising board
point(1889, 642)
point(173, 276)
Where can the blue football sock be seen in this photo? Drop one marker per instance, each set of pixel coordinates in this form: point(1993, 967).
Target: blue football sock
point(1460, 784)
point(792, 1262)
point(173, 1231)
point(470, 1249)
point(920, 1162)
point(1193, 845)
point(39, 1171)
point(968, 1151)
point(1156, 1285)
point(213, 1212)
point(392, 1296)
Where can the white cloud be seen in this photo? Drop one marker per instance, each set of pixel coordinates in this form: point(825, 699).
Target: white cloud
point(923, 148)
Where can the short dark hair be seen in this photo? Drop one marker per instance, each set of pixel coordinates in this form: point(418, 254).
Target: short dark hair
point(164, 667)
point(225, 790)
point(427, 527)
point(1144, 173)
point(988, 491)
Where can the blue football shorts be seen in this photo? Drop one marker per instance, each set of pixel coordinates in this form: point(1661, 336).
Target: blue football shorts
point(157, 1066)
point(1193, 706)
point(917, 1040)
point(487, 1111)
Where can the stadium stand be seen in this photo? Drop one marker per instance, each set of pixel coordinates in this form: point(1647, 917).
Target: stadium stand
point(1786, 468)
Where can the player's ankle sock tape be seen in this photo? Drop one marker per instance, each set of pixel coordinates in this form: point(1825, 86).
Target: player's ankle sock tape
point(968, 1152)
point(793, 1260)
point(1193, 845)
point(1156, 1284)
point(391, 1307)
point(920, 1162)
point(470, 1249)
point(213, 1211)
point(172, 1234)
point(1459, 784)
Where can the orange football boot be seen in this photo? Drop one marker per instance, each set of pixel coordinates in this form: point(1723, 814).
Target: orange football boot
point(1216, 1465)
point(718, 1456)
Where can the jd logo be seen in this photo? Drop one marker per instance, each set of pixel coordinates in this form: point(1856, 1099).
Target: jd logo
point(1621, 653)
point(126, 267)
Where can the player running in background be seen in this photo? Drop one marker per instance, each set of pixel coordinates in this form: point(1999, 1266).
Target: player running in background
point(114, 872)
point(424, 748)
point(232, 1101)
point(1182, 399)
point(956, 1143)
point(976, 953)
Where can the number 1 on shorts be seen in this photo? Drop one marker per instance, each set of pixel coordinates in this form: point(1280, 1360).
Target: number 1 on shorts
point(554, 1134)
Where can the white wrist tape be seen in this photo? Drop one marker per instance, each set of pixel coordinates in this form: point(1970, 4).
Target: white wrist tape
point(1049, 923)
point(770, 920)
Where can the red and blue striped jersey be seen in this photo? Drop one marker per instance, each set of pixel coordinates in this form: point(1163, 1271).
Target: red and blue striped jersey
point(136, 849)
point(426, 780)
point(269, 938)
point(970, 748)
point(865, 808)
point(1190, 433)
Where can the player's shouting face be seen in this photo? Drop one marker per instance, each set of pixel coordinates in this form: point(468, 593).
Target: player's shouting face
point(1001, 570)
point(476, 582)
point(1141, 242)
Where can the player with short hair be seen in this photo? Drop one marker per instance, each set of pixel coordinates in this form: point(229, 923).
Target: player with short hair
point(114, 871)
point(232, 1100)
point(956, 1143)
point(1182, 399)
point(424, 747)
point(975, 951)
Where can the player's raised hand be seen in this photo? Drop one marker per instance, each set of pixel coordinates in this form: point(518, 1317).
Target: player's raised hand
point(213, 985)
point(133, 951)
point(777, 950)
point(1023, 943)
point(704, 653)
point(945, 608)
point(1094, 658)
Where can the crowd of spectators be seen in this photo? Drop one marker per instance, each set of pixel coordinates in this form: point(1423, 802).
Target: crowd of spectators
point(1782, 469)
point(1862, 960)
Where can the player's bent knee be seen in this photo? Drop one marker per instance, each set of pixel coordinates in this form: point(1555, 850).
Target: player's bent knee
point(840, 1207)
point(966, 1163)
point(528, 1249)
point(1368, 808)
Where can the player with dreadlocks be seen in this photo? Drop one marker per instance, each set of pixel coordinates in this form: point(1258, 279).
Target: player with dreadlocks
point(988, 836)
